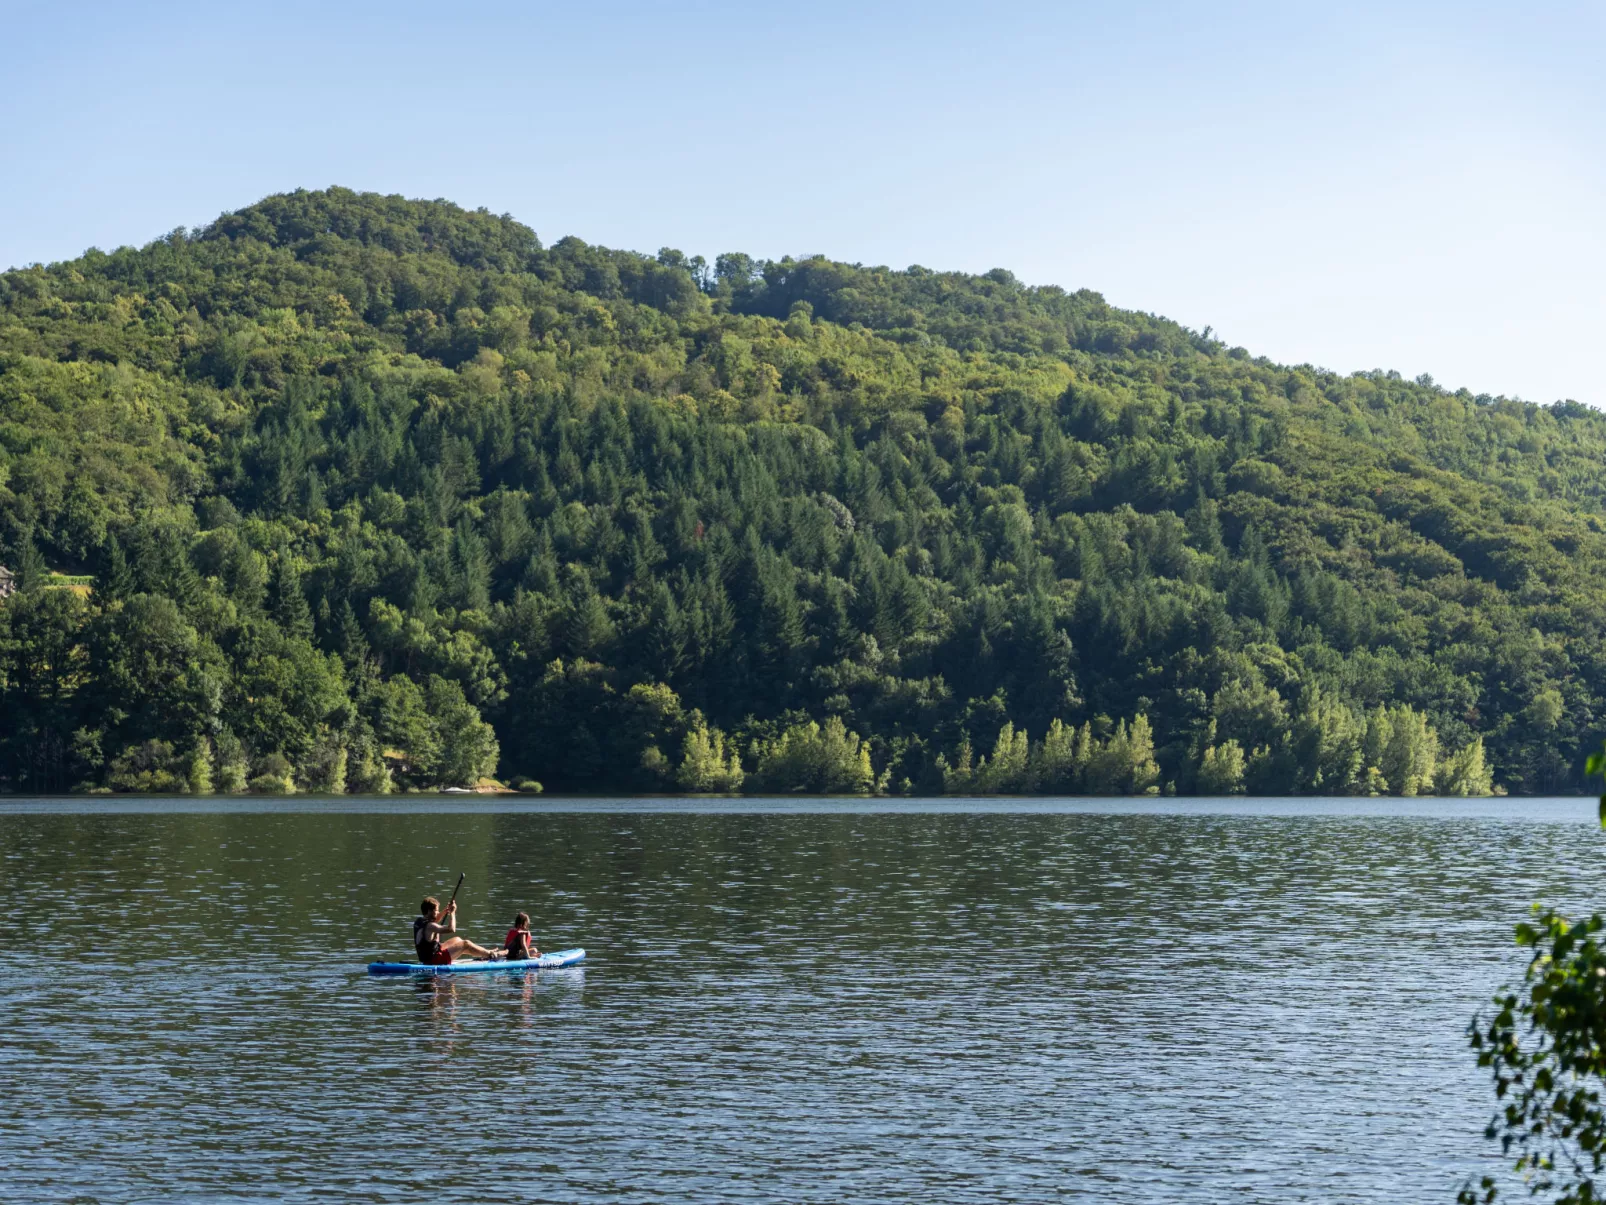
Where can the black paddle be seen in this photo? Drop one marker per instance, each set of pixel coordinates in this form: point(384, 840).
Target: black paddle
point(461, 875)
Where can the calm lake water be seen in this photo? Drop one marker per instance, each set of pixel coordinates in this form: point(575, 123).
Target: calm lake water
point(803, 1001)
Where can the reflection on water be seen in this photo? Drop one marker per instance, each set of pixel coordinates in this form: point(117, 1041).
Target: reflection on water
point(1158, 1005)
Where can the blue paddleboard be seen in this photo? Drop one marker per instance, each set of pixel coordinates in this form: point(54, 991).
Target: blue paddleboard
point(559, 958)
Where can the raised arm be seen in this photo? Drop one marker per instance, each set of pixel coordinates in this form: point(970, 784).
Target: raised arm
point(444, 927)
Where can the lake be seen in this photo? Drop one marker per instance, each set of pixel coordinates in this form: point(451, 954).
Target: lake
point(799, 1000)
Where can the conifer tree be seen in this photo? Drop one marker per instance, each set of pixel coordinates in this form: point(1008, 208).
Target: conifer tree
point(290, 609)
point(352, 640)
point(30, 566)
point(116, 581)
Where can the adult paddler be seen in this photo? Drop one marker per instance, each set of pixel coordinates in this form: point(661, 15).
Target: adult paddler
point(435, 933)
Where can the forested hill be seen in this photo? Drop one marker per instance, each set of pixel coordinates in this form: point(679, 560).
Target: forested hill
point(348, 492)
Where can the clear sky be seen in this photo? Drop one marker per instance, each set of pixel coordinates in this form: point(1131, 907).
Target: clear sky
point(1405, 185)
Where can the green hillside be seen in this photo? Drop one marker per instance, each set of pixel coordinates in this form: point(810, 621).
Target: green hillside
point(380, 493)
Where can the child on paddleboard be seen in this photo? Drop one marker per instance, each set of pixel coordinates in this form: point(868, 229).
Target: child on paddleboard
point(436, 939)
point(520, 944)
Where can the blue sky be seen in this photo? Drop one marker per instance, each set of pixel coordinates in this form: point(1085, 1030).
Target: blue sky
point(1410, 186)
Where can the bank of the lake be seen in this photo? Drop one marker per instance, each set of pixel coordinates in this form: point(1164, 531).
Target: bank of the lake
point(875, 999)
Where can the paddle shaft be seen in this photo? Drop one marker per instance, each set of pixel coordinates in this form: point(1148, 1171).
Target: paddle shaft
point(461, 875)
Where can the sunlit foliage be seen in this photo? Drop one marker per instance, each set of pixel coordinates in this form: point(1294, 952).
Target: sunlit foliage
point(379, 493)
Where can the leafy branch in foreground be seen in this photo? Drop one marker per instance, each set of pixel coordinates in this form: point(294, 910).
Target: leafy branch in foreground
point(1546, 1045)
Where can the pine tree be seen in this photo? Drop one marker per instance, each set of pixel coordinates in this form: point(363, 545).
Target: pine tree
point(472, 564)
point(353, 640)
point(585, 626)
point(30, 566)
point(1204, 525)
point(184, 584)
point(245, 574)
point(116, 581)
point(665, 635)
point(541, 573)
point(290, 609)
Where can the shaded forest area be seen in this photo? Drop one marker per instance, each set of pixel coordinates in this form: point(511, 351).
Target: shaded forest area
point(350, 492)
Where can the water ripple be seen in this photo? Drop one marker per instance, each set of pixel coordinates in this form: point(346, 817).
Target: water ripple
point(1155, 1004)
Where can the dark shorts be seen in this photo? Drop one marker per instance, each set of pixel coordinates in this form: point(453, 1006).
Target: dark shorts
point(435, 958)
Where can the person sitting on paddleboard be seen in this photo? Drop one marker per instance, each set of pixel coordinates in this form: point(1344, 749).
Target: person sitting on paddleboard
point(436, 940)
point(519, 944)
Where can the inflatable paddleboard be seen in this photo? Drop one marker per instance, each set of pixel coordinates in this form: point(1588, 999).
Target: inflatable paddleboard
point(559, 958)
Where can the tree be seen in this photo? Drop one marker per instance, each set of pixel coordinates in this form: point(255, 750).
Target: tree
point(323, 771)
point(30, 566)
point(275, 776)
point(472, 565)
point(290, 610)
point(468, 746)
point(352, 639)
point(585, 624)
point(958, 775)
point(199, 770)
point(116, 581)
point(1062, 758)
point(156, 677)
point(399, 715)
point(366, 771)
point(1124, 765)
point(150, 767)
point(1407, 750)
point(1009, 769)
point(232, 771)
point(45, 678)
point(1464, 772)
point(1221, 770)
point(822, 759)
point(705, 766)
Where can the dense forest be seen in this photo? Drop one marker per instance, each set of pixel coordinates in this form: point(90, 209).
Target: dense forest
point(350, 492)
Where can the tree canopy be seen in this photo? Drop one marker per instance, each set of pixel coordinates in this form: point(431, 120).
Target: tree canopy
point(347, 492)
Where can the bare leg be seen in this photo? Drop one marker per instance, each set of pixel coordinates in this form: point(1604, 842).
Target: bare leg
point(459, 945)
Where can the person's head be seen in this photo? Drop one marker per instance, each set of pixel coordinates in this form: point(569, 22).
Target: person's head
point(430, 906)
point(521, 921)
